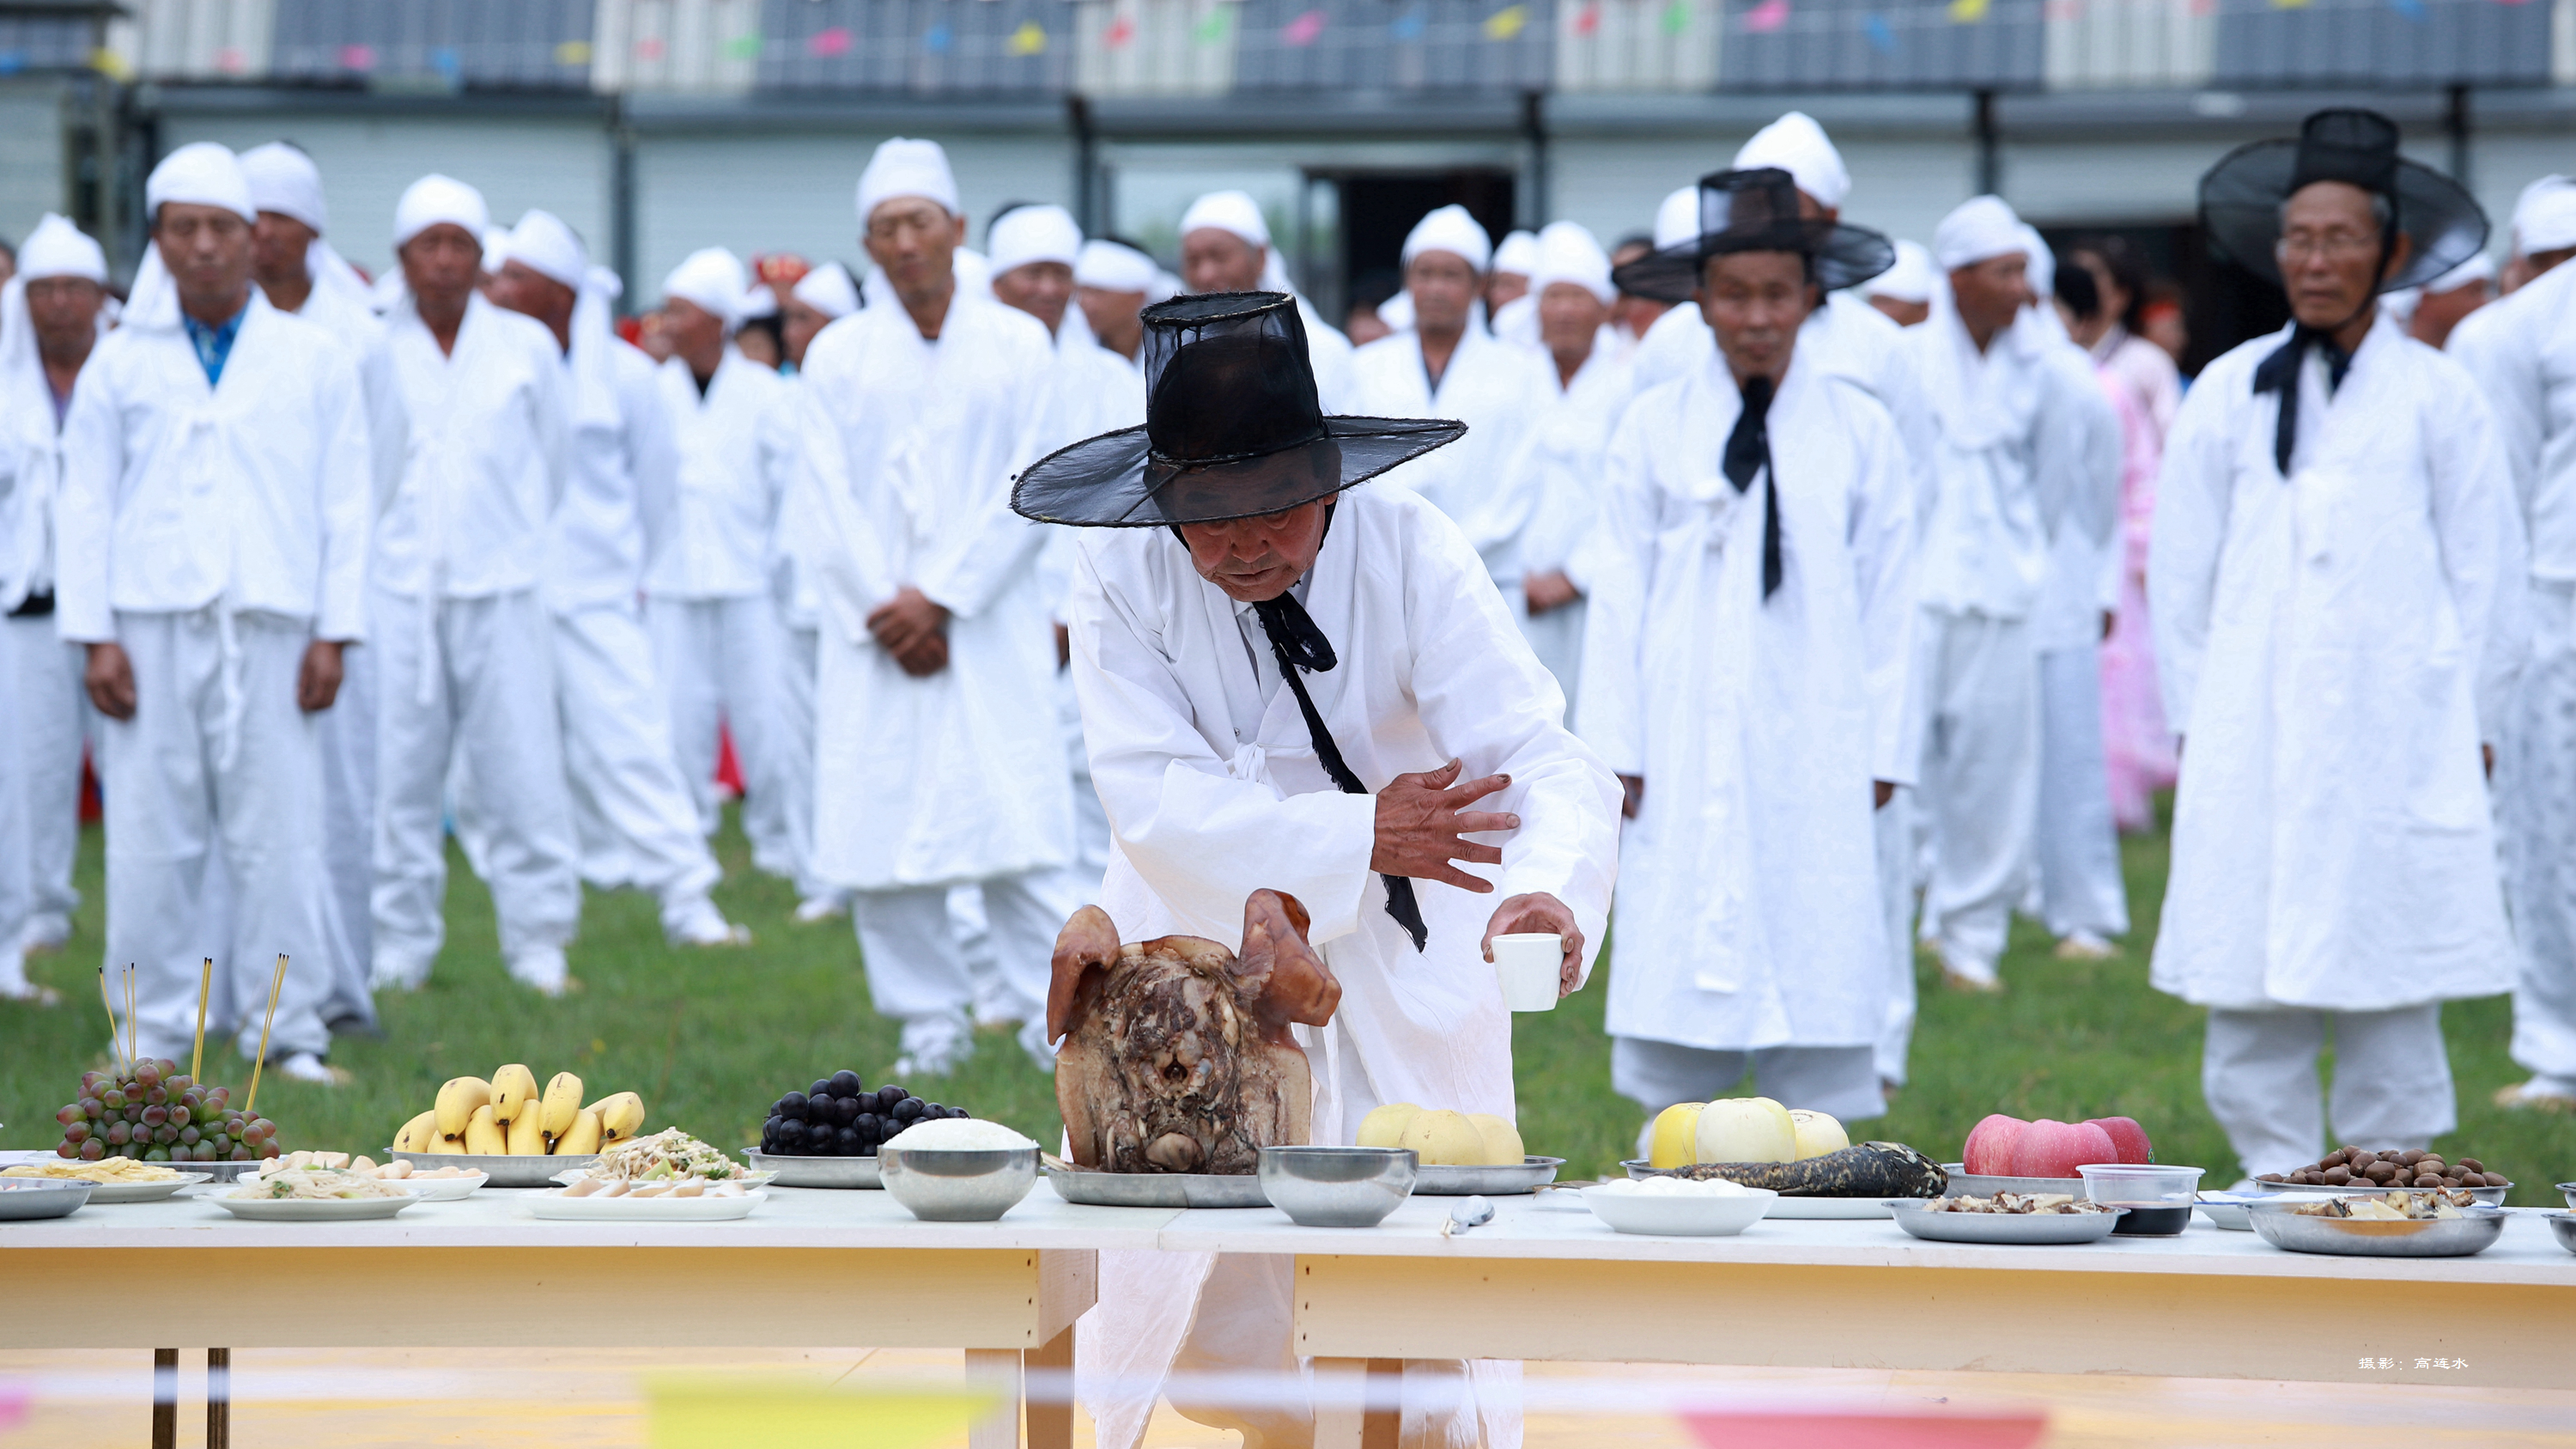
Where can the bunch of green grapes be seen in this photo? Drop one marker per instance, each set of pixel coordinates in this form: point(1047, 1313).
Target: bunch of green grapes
point(157, 1113)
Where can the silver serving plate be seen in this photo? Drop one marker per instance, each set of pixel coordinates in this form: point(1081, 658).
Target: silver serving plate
point(2563, 1227)
point(2474, 1231)
point(1915, 1215)
point(1158, 1189)
point(1430, 1181)
point(25, 1199)
point(959, 1185)
point(1788, 1208)
point(499, 1170)
point(802, 1171)
point(2568, 1190)
point(2491, 1196)
point(1337, 1187)
point(120, 1193)
point(1964, 1183)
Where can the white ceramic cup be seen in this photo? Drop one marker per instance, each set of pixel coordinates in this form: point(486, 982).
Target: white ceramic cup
point(1528, 966)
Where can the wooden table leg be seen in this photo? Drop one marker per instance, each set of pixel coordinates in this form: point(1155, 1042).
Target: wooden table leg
point(1049, 1370)
point(165, 1398)
point(1382, 1420)
point(997, 1368)
point(219, 1398)
point(1359, 1403)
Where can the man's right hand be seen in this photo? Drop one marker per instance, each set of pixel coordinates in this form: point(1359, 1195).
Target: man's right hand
point(109, 677)
point(1632, 795)
point(1420, 819)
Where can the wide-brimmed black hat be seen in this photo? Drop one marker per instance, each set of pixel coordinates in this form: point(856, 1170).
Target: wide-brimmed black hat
point(2240, 198)
point(1756, 210)
point(1232, 428)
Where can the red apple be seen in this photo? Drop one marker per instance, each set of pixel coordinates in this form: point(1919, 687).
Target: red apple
point(1989, 1148)
point(2128, 1137)
point(2050, 1148)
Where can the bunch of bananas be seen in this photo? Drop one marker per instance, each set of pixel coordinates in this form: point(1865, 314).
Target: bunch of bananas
point(507, 1116)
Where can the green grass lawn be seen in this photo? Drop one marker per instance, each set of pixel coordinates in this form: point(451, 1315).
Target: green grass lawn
point(711, 1037)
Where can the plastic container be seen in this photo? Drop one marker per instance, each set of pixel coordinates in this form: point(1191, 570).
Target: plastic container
point(1529, 966)
point(2159, 1198)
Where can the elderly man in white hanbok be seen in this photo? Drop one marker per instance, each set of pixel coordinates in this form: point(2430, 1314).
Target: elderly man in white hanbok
point(932, 769)
point(1446, 366)
point(2523, 356)
point(212, 555)
point(466, 668)
point(2334, 583)
point(632, 817)
point(1746, 676)
point(714, 622)
point(1572, 293)
point(821, 297)
point(1226, 247)
point(52, 314)
point(1511, 296)
point(1903, 293)
point(1112, 282)
point(1310, 693)
point(301, 273)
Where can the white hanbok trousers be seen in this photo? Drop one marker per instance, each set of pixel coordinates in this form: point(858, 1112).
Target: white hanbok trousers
point(719, 665)
point(630, 807)
point(14, 891)
point(1980, 781)
point(348, 737)
point(917, 971)
point(1841, 1080)
point(1556, 637)
point(2536, 790)
point(800, 657)
point(43, 675)
point(2392, 1082)
point(1896, 857)
point(218, 778)
point(2075, 840)
point(483, 690)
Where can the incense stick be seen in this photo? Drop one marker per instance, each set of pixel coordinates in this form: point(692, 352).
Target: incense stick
point(277, 981)
point(115, 1033)
point(205, 984)
point(133, 1048)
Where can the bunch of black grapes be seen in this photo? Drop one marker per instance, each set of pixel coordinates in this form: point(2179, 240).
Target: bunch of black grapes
point(154, 1112)
point(838, 1117)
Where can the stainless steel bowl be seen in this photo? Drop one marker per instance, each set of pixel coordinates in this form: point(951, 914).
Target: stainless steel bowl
point(802, 1171)
point(1525, 1176)
point(2568, 1190)
point(959, 1185)
point(2563, 1227)
point(2474, 1231)
point(1337, 1187)
point(2491, 1196)
point(23, 1199)
point(1158, 1189)
point(499, 1170)
point(1964, 1183)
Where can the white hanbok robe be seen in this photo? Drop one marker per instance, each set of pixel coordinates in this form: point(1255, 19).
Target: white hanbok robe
point(1214, 790)
point(1566, 446)
point(798, 605)
point(215, 530)
point(1482, 481)
point(1748, 906)
point(2523, 356)
point(2333, 647)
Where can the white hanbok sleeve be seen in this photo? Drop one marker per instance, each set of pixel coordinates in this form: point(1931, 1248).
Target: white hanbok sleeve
point(2193, 494)
point(992, 552)
point(347, 485)
point(653, 451)
point(2508, 372)
point(388, 421)
point(2476, 517)
point(85, 509)
point(552, 424)
point(1201, 838)
point(1881, 540)
point(1621, 552)
point(848, 563)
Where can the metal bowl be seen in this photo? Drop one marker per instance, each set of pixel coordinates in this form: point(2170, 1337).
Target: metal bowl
point(1433, 1181)
point(1337, 1187)
point(2474, 1231)
point(1964, 1183)
point(1158, 1189)
point(1915, 1215)
point(2568, 1190)
point(2491, 1196)
point(802, 1171)
point(24, 1199)
point(959, 1185)
point(2563, 1227)
point(531, 1170)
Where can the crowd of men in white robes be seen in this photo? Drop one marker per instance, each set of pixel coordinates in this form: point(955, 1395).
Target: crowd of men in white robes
point(315, 568)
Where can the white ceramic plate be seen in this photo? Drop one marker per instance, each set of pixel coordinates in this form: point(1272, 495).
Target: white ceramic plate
point(113, 1193)
point(443, 1189)
point(310, 1210)
point(1677, 1216)
point(569, 1176)
point(1819, 1209)
point(597, 1209)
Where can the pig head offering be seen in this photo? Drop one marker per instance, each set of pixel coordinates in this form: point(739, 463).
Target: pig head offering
point(1176, 1054)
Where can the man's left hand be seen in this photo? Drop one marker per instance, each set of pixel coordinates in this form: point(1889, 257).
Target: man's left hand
point(913, 629)
point(1541, 914)
point(317, 684)
point(1550, 590)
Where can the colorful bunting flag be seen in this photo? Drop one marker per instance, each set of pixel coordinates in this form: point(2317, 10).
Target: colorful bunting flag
point(572, 52)
point(743, 47)
point(829, 43)
point(1880, 34)
point(1505, 23)
point(1029, 39)
point(1408, 26)
point(649, 48)
point(1587, 21)
point(936, 40)
point(1121, 31)
point(1766, 17)
point(1677, 17)
point(1216, 28)
point(1967, 12)
point(357, 57)
point(1304, 29)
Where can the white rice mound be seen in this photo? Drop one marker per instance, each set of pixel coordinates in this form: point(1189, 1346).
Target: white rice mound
point(958, 1134)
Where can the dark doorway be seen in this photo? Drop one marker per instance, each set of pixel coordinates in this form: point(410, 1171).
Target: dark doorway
point(2223, 305)
point(1379, 207)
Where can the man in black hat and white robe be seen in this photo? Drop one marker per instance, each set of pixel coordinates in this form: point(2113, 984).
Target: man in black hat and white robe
point(1291, 687)
point(2334, 582)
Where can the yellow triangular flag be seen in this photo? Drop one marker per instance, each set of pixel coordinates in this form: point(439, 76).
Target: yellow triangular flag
point(1967, 12)
point(1505, 23)
point(1029, 39)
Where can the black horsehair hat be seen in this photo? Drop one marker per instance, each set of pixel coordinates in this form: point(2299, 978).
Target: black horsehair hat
point(1757, 210)
point(2241, 197)
point(1232, 428)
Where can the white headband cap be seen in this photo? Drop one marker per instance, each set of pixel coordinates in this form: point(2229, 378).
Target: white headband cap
point(1797, 145)
point(2544, 220)
point(1233, 211)
point(828, 290)
point(544, 245)
point(56, 248)
point(1981, 228)
point(496, 249)
point(284, 180)
point(1033, 234)
point(1114, 267)
point(1450, 229)
point(436, 200)
point(760, 301)
point(200, 173)
point(1909, 280)
point(1566, 252)
point(906, 167)
point(710, 278)
point(1517, 254)
point(2043, 263)
point(2476, 271)
point(1677, 219)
